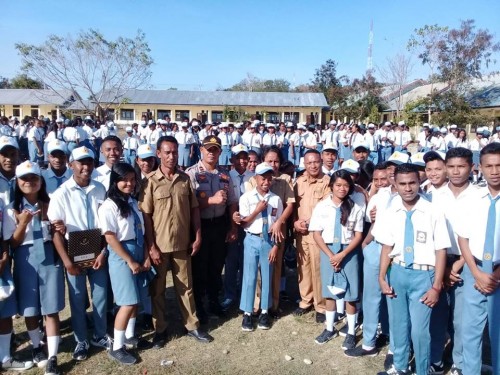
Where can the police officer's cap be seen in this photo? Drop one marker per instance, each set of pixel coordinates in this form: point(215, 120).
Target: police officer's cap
point(210, 141)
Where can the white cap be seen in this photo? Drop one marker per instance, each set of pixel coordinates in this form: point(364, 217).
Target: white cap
point(8, 141)
point(425, 125)
point(223, 125)
point(88, 118)
point(60, 119)
point(401, 123)
point(361, 143)
point(387, 123)
point(239, 148)
point(443, 130)
point(271, 126)
point(239, 125)
point(145, 151)
point(194, 123)
point(371, 126)
point(256, 122)
point(289, 124)
point(479, 130)
point(453, 126)
point(252, 125)
point(128, 129)
point(208, 122)
point(151, 122)
point(13, 118)
point(56, 145)
point(302, 127)
point(329, 146)
point(350, 166)
point(184, 124)
point(27, 167)
point(142, 123)
point(263, 168)
point(399, 158)
point(418, 159)
point(80, 153)
point(111, 124)
point(332, 122)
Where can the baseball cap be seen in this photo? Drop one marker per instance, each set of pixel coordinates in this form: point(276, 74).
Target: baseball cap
point(361, 144)
point(80, 153)
point(432, 155)
point(211, 141)
point(271, 126)
point(26, 168)
point(301, 127)
point(56, 145)
point(332, 122)
point(145, 151)
point(238, 149)
point(329, 146)
point(401, 123)
point(418, 159)
point(398, 158)
point(371, 126)
point(128, 129)
point(263, 168)
point(350, 166)
point(8, 141)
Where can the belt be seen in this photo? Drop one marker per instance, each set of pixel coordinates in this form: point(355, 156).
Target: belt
point(256, 234)
point(415, 266)
point(214, 220)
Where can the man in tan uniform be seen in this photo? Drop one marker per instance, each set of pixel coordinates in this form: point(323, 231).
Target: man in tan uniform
point(309, 189)
point(170, 208)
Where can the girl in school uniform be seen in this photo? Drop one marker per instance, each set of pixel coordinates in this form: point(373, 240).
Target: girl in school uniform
point(337, 226)
point(123, 227)
point(38, 270)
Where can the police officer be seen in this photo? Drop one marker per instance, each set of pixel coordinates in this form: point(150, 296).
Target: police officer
point(217, 204)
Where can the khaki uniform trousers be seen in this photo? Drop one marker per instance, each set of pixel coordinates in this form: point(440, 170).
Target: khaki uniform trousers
point(308, 268)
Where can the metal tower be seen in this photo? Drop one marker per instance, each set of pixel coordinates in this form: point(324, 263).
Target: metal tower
point(369, 63)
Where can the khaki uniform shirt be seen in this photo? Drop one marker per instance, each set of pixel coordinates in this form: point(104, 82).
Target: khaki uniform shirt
point(170, 202)
point(207, 184)
point(308, 192)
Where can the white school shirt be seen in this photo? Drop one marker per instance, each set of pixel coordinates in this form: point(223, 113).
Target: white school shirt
point(450, 140)
point(5, 188)
point(51, 179)
point(398, 138)
point(270, 139)
point(380, 200)
point(464, 144)
point(438, 143)
point(372, 141)
point(35, 134)
point(88, 131)
point(429, 226)
point(225, 139)
point(82, 134)
point(10, 224)
point(326, 171)
point(69, 202)
point(342, 136)
point(111, 220)
point(51, 136)
point(235, 181)
point(236, 138)
point(475, 145)
point(323, 220)
point(252, 140)
point(184, 138)
point(249, 201)
point(391, 135)
point(6, 130)
point(295, 138)
point(472, 220)
point(102, 175)
point(130, 143)
point(383, 134)
point(309, 139)
point(445, 201)
point(70, 134)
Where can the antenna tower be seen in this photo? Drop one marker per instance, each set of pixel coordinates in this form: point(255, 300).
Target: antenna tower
point(369, 63)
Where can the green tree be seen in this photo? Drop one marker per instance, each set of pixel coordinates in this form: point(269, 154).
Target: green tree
point(252, 83)
point(4, 83)
point(22, 81)
point(90, 64)
point(326, 81)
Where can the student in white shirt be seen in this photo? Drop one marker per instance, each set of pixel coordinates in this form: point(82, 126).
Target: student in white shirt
point(253, 139)
point(270, 138)
point(329, 157)
point(414, 239)
point(35, 142)
point(130, 144)
point(337, 226)
point(478, 229)
point(112, 150)
point(259, 209)
point(186, 146)
point(435, 171)
point(57, 172)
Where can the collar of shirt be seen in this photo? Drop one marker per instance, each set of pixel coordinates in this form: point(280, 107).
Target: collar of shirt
point(421, 205)
point(260, 197)
point(484, 191)
point(71, 183)
point(159, 174)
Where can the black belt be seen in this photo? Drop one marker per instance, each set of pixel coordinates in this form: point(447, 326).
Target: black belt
point(215, 220)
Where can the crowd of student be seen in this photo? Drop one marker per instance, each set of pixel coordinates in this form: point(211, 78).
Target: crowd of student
point(403, 238)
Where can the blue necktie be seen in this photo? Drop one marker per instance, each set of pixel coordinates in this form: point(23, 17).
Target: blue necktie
point(241, 176)
point(409, 240)
point(38, 246)
point(139, 236)
point(489, 239)
point(265, 224)
point(88, 208)
point(12, 184)
point(59, 180)
point(337, 231)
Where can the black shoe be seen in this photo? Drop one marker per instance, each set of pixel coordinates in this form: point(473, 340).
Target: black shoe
point(320, 317)
point(81, 351)
point(51, 368)
point(15, 365)
point(326, 336)
point(122, 356)
point(338, 317)
point(147, 323)
point(299, 311)
point(284, 296)
point(137, 343)
point(360, 352)
point(345, 329)
point(389, 361)
point(39, 357)
point(436, 369)
point(349, 342)
point(275, 314)
point(159, 340)
point(200, 335)
point(264, 321)
point(246, 324)
point(393, 371)
point(381, 341)
point(227, 304)
point(216, 309)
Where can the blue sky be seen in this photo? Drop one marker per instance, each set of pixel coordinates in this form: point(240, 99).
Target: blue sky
point(209, 44)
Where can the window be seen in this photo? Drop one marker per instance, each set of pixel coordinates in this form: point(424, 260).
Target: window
point(127, 114)
point(292, 117)
point(273, 117)
point(217, 116)
point(34, 111)
point(162, 113)
point(16, 111)
point(110, 114)
point(180, 114)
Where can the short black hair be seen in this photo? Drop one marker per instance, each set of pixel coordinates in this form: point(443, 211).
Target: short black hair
point(432, 156)
point(166, 138)
point(459, 152)
point(490, 149)
point(112, 138)
point(380, 166)
point(312, 151)
point(406, 168)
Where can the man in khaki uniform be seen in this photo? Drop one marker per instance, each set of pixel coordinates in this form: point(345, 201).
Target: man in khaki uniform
point(309, 189)
point(170, 208)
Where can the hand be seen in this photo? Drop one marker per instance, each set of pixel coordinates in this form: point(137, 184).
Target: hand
point(451, 277)
point(99, 262)
point(134, 267)
point(261, 206)
point(430, 298)
point(237, 218)
point(146, 265)
point(300, 226)
point(276, 233)
point(485, 283)
point(373, 214)
point(387, 289)
point(232, 235)
point(73, 269)
point(336, 260)
point(58, 226)
point(24, 218)
point(195, 246)
point(3, 263)
point(155, 255)
point(273, 254)
point(218, 198)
